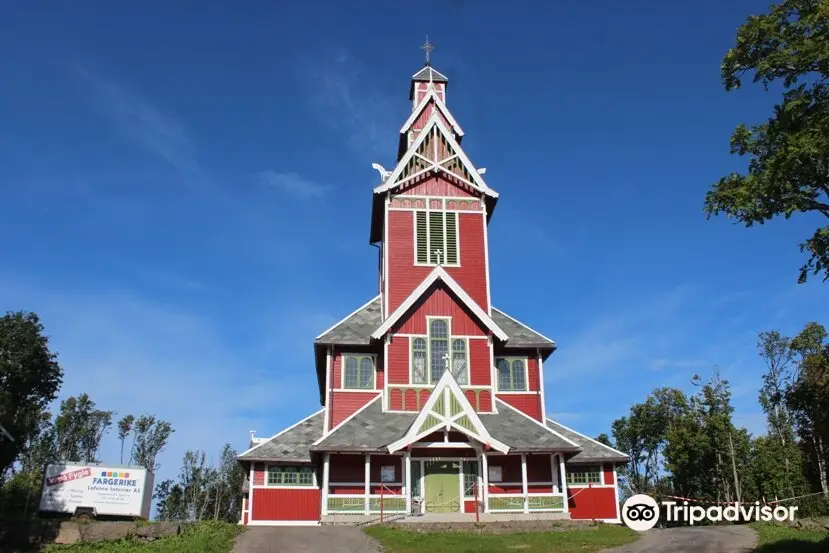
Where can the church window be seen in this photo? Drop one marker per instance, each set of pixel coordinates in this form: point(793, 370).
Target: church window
point(436, 238)
point(419, 361)
point(438, 348)
point(437, 352)
point(459, 361)
point(358, 372)
point(290, 476)
point(512, 374)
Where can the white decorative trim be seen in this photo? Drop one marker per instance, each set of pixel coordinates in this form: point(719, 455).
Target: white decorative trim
point(446, 387)
point(326, 482)
point(367, 483)
point(540, 371)
point(284, 523)
point(250, 492)
point(553, 342)
point(386, 398)
point(431, 94)
point(439, 273)
point(384, 301)
point(524, 487)
point(486, 256)
point(344, 319)
point(592, 440)
point(435, 121)
point(542, 425)
point(465, 337)
point(280, 433)
point(563, 476)
point(329, 367)
point(352, 415)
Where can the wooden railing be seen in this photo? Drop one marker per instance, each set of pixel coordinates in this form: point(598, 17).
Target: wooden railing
point(534, 502)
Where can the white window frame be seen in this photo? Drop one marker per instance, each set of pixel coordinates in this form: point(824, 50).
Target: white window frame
point(510, 360)
point(373, 356)
point(428, 210)
point(298, 468)
point(583, 470)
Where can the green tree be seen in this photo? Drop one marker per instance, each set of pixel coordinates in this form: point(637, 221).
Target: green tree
point(788, 169)
point(151, 437)
point(30, 377)
point(79, 428)
point(124, 430)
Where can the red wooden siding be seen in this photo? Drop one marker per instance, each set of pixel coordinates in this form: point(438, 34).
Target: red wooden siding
point(529, 404)
point(437, 186)
point(608, 475)
point(345, 404)
point(346, 469)
point(399, 360)
point(438, 301)
point(590, 503)
point(300, 504)
point(480, 366)
point(258, 474)
point(404, 276)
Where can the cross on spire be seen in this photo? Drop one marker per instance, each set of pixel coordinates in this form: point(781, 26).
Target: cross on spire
point(428, 47)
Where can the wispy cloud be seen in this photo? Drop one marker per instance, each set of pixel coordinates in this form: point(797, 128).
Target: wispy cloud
point(141, 122)
point(294, 184)
point(349, 98)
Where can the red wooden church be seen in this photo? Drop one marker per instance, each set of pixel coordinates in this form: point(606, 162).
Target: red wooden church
point(433, 399)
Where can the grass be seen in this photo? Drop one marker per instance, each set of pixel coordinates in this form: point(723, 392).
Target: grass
point(205, 537)
point(567, 541)
point(775, 538)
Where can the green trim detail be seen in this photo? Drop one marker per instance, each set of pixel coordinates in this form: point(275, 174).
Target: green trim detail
point(430, 422)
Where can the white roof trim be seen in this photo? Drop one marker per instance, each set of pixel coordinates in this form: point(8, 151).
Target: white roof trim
point(266, 440)
point(513, 319)
point(447, 386)
point(432, 94)
point(439, 273)
point(335, 325)
point(433, 70)
point(351, 416)
point(588, 438)
point(435, 121)
point(544, 426)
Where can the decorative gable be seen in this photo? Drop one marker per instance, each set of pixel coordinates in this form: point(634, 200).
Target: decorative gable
point(448, 409)
point(435, 151)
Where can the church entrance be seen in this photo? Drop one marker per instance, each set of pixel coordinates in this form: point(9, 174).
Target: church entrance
point(442, 486)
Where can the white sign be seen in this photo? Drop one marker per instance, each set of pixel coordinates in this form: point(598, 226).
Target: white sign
point(387, 473)
point(495, 473)
point(119, 491)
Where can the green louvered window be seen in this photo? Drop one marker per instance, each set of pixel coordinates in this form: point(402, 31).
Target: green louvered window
point(436, 230)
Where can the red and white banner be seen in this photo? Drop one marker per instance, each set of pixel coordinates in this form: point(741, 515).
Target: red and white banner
point(68, 476)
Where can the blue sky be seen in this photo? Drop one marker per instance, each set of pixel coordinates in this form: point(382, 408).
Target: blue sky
point(186, 195)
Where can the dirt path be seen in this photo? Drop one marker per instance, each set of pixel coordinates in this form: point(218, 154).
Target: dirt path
point(693, 539)
point(318, 539)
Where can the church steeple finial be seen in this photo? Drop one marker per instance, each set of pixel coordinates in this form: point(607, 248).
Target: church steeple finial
point(428, 47)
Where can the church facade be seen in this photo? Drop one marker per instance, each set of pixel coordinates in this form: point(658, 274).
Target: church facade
point(432, 398)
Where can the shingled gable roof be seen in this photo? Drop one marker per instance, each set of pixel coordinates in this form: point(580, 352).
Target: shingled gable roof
point(432, 95)
point(372, 430)
point(291, 445)
point(357, 327)
point(439, 273)
point(592, 451)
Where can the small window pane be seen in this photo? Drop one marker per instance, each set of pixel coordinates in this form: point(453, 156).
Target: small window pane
point(504, 380)
point(419, 361)
point(459, 361)
point(439, 329)
point(470, 476)
point(366, 372)
point(439, 358)
point(518, 380)
point(351, 376)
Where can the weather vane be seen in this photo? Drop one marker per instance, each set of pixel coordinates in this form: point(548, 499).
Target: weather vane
point(428, 47)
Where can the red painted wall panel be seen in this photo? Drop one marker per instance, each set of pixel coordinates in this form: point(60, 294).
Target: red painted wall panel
point(258, 474)
point(539, 468)
point(592, 503)
point(345, 404)
point(301, 504)
point(404, 276)
point(480, 367)
point(399, 360)
point(608, 475)
point(439, 301)
point(510, 467)
point(346, 468)
point(529, 404)
point(346, 490)
point(437, 186)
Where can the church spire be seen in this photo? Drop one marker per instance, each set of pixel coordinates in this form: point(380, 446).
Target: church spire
point(426, 77)
point(427, 47)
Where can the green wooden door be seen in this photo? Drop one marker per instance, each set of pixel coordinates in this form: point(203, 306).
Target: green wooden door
point(442, 483)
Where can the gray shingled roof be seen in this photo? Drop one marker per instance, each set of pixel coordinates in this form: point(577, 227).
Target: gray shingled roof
point(370, 430)
point(357, 329)
point(592, 451)
point(423, 75)
point(373, 430)
point(520, 336)
point(290, 445)
point(522, 434)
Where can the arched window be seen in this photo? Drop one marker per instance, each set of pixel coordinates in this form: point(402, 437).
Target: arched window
point(358, 372)
point(439, 348)
point(419, 361)
point(459, 365)
point(512, 374)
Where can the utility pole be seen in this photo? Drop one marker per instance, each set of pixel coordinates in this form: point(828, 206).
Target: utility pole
point(734, 466)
